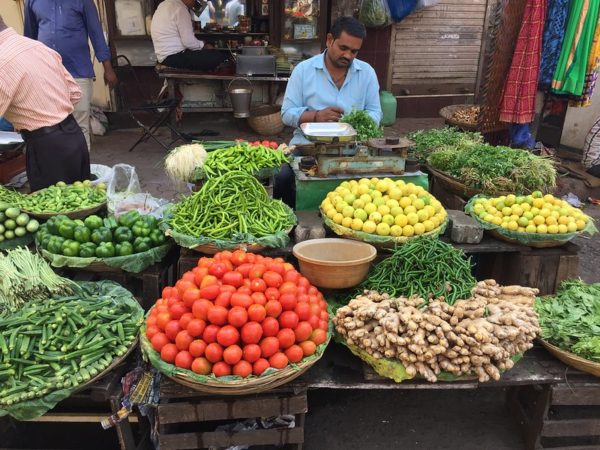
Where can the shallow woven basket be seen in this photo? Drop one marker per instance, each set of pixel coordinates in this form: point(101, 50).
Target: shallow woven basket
point(211, 249)
point(455, 186)
point(448, 111)
point(573, 360)
point(79, 214)
point(537, 244)
point(266, 120)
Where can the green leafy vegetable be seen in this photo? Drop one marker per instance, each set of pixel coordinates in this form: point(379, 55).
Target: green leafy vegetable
point(364, 125)
point(428, 141)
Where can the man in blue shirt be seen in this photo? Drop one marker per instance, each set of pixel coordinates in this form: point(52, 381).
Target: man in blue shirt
point(65, 26)
point(325, 87)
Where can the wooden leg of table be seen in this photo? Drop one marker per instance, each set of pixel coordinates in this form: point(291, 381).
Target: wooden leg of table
point(123, 428)
point(529, 406)
point(300, 421)
point(172, 91)
point(568, 267)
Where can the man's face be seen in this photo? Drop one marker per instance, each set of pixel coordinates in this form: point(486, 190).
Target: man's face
point(342, 51)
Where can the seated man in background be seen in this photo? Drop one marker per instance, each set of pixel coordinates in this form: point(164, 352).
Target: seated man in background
point(325, 87)
point(174, 41)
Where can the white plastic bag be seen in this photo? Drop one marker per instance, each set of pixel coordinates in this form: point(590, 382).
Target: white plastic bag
point(98, 120)
point(103, 173)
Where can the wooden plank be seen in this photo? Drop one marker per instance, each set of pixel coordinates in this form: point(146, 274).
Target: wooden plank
point(433, 21)
point(563, 395)
point(571, 428)
point(400, 81)
point(415, 28)
point(414, 37)
point(76, 418)
point(428, 61)
point(450, 75)
point(452, 52)
point(576, 447)
point(235, 408)
point(447, 41)
point(568, 267)
point(451, 13)
point(426, 70)
point(224, 439)
point(531, 419)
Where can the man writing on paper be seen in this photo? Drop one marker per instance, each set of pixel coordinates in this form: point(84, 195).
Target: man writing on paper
point(326, 86)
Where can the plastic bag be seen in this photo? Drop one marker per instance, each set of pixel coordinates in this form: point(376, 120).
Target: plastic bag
point(375, 13)
point(98, 120)
point(103, 173)
point(399, 9)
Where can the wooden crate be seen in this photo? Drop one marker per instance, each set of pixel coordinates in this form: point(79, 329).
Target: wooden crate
point(187, 419)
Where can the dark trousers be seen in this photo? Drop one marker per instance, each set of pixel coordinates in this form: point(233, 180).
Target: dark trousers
point(202, 60)
point(285, 185)
point(57, 153)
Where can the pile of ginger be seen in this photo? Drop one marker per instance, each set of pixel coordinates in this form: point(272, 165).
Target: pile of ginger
point(477, 336)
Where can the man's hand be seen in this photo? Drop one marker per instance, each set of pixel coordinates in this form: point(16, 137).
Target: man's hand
point(110, 77)
point(331, 114)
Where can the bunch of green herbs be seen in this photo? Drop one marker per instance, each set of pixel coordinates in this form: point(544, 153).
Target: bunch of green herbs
point(363, 123)
point(429, 141)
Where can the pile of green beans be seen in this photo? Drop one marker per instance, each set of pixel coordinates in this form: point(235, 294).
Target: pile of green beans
point(232, 204)
point(55, 199)
point(60, 343)
point(245, 157)
point(425, 267)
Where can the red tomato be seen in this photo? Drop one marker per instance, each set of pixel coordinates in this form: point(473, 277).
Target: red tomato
point(178, 310)
point(221, 369)
point(228, 335)
point(217, 269)
point(313, 300)
point(260, 366)
point(197, 348)
point(159, 340)
point(288, 319)
point(273, 145)
point(323, 325)
point(183, 340)
point(276, 267)
point(314, 321)
point(188, 276)
point(185, 320)
point(184, 359)
point(199, 275)
point(251, 333)
point(201, 366)
point(235, 279)
point(286, 337)
point(278, 360)
point(294, 353)
point(273, 308)
point(288, 267)
point(257, 313)
point(259, 298)
point(210, 333)
point(169, 292)
point(162, 319)
point(169, 352)
point(151, 320)
point(303, 311)
point(200, 308)
point(224, 255)
point(223, 299)
point(318, 336)
point(232, 354)
point(303, 281)
point(308, 347)
point(243, 300)
point(242, 369)
point(272, 293)
point(257, 271)
point(245, 269)
point(196, 327)
point(237, 316)
point(171, 301)
point(302, 293)
point(288, 301)
point(172, 330)
point(288, 287)
point(324, 315)
point(245, 289)
point(265, 143)
point(238, 257)
point(270, 326)
point(210, 292)
point(251, 352)
point(213, 352)
point(315, 310)
point(258, 285)
point(303, 331)
point(151, 331)
point(273, 279)
point(217, 315)
point(183, 285)
point(209, 280)
point(205, 261)
point(269, 346)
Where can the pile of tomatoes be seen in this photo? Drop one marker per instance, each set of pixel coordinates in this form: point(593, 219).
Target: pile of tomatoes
point(238, 313)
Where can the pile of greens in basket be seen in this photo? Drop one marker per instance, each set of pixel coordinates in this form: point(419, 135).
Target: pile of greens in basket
point(363, 123)
point(495, 170)
point(570, 319)
point(429, 141)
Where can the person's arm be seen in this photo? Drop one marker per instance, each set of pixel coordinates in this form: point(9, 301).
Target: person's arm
point(373, 104)
point(6, 95)
point(94, 29)
point(185, 28)
point(293, 111)
point(30, 22)
point(71, 84)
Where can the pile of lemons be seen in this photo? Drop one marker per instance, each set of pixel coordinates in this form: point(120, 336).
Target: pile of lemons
point(383, 207)
point(535, 213)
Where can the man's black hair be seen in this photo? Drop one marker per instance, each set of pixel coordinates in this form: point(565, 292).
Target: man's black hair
point(350, 25)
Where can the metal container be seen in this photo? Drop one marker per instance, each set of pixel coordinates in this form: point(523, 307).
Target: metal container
point(254, 50)
point(255, 65)
point(328, 132)
point(241, 98)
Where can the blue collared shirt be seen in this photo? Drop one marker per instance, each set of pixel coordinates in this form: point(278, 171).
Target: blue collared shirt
point(311, 87)
point(64, 26)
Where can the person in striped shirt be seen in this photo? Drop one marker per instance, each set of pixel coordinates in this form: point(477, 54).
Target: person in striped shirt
point(37, 95)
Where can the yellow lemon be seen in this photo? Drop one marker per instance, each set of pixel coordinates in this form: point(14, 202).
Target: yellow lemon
point(521, 229)
point(370, 208)
point(552, 229)
point(375, 217)
point(542, 229)
point(506, 211)
point(517, 210)
point(523, 222)
point(401, 220)
point(383, 210)
point(396, 211)
point(357, 224)
point(510, 200)
point(504, 225)
point(349, 198)
point(388, 218)
point(339, 207)
point(538, 203)
point(562, 229)
point(412, 218)
point(428, 224)
point(381, 186)
point(535, 211)
point(539, 220)
point(366, 198)
point(422, 215)
point(395, 193)
point(396, 231)
point(404, 202)
point(419, 229)
point(347, 222)
point(548, 198)
point(392, 204)
point(363, 188)
point(513, 225)
point(338, 217)
point(572, 227)
point(358, 204)
point(369, 227)
point(378, 201)
point(531, 228)
point(526, 207)
point(545, 212)
point(410, 209)
point(418, 204)
point(383, 229)
point(436, 221)
point(348, 211)
point(550, 220)
point(563, 220)
point(408, 230)
point(331, 212)
point(580, 224)
point(376, 194)
point(514, 217)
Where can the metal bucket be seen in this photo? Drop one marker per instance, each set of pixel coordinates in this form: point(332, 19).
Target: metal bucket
point(241, 98)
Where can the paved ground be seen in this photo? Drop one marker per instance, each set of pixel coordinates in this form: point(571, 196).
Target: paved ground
point(374, 420)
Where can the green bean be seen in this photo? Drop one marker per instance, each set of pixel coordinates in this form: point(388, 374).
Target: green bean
point(244, 157)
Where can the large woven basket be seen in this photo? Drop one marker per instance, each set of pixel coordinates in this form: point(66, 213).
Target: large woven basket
point(266, 120)
point(537, 244)
point(448, 111)
point(573, 360)
point(455, 186)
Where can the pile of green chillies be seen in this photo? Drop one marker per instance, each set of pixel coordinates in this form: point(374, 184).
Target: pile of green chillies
point(244, 157)
point(424, 267)
point(231, 205)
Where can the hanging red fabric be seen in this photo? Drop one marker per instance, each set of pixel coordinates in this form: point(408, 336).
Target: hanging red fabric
point(518, 100)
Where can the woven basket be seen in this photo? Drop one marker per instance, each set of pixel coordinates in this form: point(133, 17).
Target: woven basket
point(573, 360)
point(537, 244)
point(455, 186)
point(266, 120)
point(79, 214)
point(448, 111)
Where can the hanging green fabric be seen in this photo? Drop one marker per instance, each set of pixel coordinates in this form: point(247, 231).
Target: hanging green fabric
point(569, 77)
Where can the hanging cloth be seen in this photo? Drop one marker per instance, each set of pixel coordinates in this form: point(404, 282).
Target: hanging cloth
point(554, 33)
point(591, 74)
point(518, 99)
point(569, 76)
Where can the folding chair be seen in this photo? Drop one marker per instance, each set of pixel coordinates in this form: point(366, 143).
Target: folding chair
point(160, 109)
